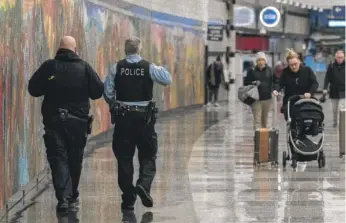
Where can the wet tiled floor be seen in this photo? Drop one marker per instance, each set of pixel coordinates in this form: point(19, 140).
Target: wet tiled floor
point(205, 174)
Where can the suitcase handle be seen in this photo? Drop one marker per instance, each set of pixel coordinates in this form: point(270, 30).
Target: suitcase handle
point(275, 112)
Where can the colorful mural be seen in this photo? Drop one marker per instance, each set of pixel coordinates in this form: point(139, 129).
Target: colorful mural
point(30, 31)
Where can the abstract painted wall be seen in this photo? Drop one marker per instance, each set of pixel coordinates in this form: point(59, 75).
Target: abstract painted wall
point(30, 31)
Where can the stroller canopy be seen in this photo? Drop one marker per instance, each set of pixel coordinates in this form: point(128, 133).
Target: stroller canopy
point(307, 108)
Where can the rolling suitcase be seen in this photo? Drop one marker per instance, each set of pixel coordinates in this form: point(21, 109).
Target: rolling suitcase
point(267, 142)
point(342, 132)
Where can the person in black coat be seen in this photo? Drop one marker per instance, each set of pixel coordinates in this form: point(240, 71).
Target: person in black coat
point(335, 80)
point(296, 79)
point(67, 83)
point(265, 79)
point(214, 79)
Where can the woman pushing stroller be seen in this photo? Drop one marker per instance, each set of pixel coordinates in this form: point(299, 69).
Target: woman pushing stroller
point(305, 117)
point(296, 79)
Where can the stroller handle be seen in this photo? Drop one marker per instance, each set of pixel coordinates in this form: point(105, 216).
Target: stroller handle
point(295, 97)
point(299, 96)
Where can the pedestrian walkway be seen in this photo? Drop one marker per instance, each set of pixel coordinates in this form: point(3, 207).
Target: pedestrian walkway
point(206, 175)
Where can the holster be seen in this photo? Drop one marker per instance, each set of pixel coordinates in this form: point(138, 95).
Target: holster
point(117, 109)
point(151, 114)
point(64, 115)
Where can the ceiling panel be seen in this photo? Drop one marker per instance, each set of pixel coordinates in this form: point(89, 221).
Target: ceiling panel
point(315, 3)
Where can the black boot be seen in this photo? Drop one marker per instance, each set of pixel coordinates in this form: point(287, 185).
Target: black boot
point(62, 207)
point(145, 196)
point(74, 202)
point(128, 203)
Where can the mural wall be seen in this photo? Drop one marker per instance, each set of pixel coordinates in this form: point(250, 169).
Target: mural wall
point(30, 31)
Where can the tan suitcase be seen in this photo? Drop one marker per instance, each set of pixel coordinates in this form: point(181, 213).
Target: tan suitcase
point(267, 142)
point(342, 132)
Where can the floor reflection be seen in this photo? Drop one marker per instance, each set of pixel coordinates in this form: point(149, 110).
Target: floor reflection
point(130, 217)
point(206, 175)
point(71, 217)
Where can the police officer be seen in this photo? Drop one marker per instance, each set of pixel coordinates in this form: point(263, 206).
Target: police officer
point(129, 92)
point(66, 82)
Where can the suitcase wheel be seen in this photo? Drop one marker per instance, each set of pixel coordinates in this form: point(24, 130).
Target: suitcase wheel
point(256, 163)
point(294, 163)
point(274, 164)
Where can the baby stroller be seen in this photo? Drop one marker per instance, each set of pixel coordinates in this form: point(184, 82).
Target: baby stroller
point(304, 118)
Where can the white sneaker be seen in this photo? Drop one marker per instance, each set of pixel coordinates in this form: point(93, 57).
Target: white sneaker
point(216, 104)
point(209, 104)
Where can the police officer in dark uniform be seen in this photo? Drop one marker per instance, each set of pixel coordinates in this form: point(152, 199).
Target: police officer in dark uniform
point(129, 92)
point(66, 82)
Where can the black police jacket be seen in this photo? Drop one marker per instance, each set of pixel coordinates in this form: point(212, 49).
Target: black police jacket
point(299, 83)
point(65, 82)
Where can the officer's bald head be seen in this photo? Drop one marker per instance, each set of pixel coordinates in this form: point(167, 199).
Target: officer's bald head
point(133, 45)
point(68, 42)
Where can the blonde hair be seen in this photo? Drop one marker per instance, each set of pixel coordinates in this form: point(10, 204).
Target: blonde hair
point(291, 54)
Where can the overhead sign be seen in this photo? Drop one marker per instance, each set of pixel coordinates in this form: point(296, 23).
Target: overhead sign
point(339, 11)
point(215, 32)
point(337, 23)
point(270, 16)
point(243, 16)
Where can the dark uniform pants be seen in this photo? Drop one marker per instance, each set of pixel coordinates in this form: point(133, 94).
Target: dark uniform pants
point(65, 144)
point(131, 131)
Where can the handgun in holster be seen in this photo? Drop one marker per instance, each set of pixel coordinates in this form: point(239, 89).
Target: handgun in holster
point(117, 109)
point(63, 114)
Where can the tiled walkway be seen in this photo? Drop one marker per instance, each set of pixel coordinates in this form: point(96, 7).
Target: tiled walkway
point(205, 174)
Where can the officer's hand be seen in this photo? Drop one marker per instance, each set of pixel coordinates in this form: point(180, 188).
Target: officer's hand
point(307, 95)
point(325, 91)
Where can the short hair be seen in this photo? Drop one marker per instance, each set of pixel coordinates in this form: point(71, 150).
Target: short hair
point(339, 52)
point(291, 54)
point(133, 45)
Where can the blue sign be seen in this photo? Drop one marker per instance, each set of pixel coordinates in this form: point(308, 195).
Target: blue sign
point(270, 16)
point(339, 11)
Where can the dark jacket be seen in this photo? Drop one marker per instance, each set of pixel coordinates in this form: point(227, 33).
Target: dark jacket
point(65, 82)
point(335, 78)
point(267, 81)
point(304, 81)
point(217, 70)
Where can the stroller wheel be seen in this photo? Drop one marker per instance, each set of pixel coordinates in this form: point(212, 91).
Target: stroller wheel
point(284, 159)
point(322, 160)
point(294, 163)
